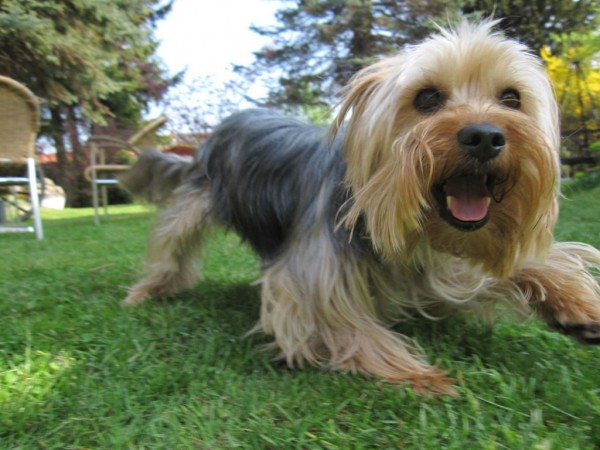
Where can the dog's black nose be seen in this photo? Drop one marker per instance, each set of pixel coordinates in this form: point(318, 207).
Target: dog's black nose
point(482, 141)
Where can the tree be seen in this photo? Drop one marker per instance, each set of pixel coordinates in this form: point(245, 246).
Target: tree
point(535, 23)
point(319, 44)
point(90, 60)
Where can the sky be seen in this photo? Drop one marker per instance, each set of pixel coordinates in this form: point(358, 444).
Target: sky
point(207, 36)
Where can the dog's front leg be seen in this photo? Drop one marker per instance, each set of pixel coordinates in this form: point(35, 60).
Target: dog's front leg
point(564, 291)
point(319, 308)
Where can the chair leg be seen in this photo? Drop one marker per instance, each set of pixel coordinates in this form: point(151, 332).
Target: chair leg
point(104, 190)
point(94, 177)
point(35, 200)
point(95, 199)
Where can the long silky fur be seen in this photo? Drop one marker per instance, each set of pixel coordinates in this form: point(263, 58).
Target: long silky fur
point(347, 228)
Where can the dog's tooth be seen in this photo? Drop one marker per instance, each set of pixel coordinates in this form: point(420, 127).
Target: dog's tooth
point(449, 202)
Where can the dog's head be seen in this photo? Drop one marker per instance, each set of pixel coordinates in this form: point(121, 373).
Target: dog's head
point(455, 142)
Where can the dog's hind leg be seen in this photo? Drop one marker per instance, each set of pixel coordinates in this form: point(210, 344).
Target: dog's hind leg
point(172, 246)
point(318, 306)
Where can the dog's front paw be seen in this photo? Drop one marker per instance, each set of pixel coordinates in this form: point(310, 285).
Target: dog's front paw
point(583, 333)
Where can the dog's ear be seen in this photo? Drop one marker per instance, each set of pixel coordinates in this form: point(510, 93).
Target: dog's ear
point(362, 88)
point(385, 171)
point(367, 115)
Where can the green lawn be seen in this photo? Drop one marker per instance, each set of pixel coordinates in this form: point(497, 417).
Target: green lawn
point(77, 371)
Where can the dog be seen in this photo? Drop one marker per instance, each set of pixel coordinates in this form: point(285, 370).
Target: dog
point(434, 191)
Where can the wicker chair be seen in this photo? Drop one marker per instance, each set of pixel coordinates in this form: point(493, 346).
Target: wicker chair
point(19, 125)
point(101, 174)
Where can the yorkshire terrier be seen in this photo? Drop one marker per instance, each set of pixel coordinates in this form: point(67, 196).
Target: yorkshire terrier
point(435, 190)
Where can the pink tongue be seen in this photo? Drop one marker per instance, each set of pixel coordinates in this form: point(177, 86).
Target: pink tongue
point(468, 197)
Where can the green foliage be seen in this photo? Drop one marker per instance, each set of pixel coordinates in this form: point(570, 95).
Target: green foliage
point(93, 54)
point(319, 45)
point(536, 23)
point(585, 181)
point(91, 61)
point(80, 52)
point(79, 371)
point(575, 71)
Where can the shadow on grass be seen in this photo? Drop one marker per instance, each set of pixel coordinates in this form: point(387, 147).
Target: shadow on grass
point(225, 302)
point(508, 343)
point(510, 346)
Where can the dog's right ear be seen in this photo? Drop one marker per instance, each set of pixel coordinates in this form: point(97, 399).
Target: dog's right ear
point(367, 112)
point(376, 152)
point(361, 88)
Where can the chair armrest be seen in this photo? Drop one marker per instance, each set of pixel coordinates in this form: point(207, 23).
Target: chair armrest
point(110, 141)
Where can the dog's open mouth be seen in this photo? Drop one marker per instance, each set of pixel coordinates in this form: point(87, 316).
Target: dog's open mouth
point(464, 200)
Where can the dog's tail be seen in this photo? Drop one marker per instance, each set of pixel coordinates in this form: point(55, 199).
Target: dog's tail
point(155, 175)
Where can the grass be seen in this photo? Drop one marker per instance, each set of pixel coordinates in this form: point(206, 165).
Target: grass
point(77, 371)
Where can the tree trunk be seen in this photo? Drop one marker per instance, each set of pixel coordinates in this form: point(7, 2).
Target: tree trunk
point(80, 193)
point(62, 159)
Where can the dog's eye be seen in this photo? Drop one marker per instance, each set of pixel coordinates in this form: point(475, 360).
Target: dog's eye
point(429, 100)
point(510, 98)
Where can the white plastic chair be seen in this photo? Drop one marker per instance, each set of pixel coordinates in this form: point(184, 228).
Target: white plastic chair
point(19, 126)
